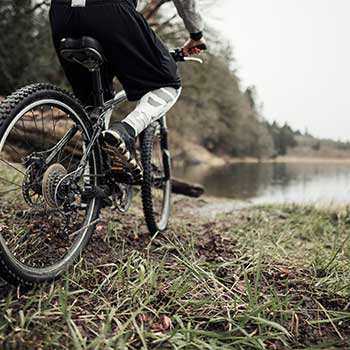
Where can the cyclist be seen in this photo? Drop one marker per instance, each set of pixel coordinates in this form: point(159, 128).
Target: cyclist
point(134, 54)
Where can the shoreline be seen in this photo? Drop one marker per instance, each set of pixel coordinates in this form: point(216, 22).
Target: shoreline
point(289, 159)
point(210, 160)
point(195, 155)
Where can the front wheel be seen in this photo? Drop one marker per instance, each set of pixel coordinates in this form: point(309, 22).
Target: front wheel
point(156, 187)
point(45, 221)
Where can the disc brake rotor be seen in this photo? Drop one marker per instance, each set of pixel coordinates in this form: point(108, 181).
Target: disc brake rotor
point(31, 186)
point(51, 180)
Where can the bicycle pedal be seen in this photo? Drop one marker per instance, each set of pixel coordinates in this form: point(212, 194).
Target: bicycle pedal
point(122, 176)
point(118, 168)
point(96, 192)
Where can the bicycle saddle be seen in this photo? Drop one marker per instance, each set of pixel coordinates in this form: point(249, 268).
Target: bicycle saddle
point(86, 51)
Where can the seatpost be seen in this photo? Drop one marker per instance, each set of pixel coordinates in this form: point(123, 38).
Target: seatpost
point(97, 86)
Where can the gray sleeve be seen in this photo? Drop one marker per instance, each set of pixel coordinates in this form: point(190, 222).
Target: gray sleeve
point(190, 13)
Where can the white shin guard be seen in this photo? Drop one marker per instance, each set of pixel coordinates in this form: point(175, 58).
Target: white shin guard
point(152, 106)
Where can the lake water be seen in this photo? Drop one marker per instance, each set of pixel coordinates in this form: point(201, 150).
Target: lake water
point(316, 183)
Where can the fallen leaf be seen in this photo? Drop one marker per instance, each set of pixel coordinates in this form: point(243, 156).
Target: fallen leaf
point(144, 317)
point(166, 322)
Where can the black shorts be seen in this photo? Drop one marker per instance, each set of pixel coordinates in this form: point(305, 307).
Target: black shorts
point(134, 53)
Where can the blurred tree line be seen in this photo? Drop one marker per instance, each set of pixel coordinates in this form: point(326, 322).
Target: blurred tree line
point(213, 109)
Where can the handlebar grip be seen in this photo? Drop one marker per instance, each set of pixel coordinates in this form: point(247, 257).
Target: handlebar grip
point(201, 47)
point(179, 56)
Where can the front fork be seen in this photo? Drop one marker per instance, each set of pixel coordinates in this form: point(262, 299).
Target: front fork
point(165, 148)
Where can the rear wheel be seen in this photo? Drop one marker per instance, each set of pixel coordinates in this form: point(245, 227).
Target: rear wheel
point(156, 186)
point(45, 222)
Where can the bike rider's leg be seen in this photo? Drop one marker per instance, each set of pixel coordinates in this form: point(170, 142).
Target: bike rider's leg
point(120, 138)
point(151, 107)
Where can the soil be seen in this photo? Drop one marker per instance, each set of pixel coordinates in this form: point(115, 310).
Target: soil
point(203, 222)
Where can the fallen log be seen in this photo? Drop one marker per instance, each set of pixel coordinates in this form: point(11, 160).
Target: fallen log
point(186, 188)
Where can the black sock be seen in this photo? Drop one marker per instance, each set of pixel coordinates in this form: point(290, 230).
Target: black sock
point(129, 129)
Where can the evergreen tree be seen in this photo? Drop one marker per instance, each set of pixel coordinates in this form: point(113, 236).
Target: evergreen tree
point(25, 45)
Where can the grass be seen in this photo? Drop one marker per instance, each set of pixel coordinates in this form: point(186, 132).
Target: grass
point(273, 277)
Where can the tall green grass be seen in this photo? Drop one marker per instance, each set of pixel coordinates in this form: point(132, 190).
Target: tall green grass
point(260, 278)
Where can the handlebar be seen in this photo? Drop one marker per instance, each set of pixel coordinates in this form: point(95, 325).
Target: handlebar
point(179, 55)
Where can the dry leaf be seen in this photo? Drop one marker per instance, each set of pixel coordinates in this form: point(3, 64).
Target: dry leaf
point(99, 228)
point(166, 322)
point(240, 286)
point(157, 326)
point(144, 317)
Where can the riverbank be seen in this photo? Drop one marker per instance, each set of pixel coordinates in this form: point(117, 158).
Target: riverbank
point(189, 153)
point(273, 277)
point(291, 159)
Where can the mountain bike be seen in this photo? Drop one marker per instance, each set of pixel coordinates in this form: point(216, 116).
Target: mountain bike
point(55, 176)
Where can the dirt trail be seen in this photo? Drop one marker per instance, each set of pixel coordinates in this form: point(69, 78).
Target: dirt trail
point(212, 207)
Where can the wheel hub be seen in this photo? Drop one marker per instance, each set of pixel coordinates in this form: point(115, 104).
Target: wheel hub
point(52, 179)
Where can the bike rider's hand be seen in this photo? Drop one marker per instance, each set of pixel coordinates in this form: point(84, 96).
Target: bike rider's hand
point(191, 47)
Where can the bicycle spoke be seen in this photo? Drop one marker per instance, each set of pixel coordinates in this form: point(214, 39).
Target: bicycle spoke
point(71, 235)
point(13, 167)
point(34, 120)
point(59, 155)
point(24, 129)
point(19, 136)
point(65, 128)
point(9, 182)
point(8, 191)
point(13, 149)
point(75, 147)
point(42, 122)
point(53, 122)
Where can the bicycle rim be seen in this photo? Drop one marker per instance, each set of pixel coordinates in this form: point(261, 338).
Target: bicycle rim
point(39, 236)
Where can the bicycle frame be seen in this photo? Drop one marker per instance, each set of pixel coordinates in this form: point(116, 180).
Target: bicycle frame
point(109, 106)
